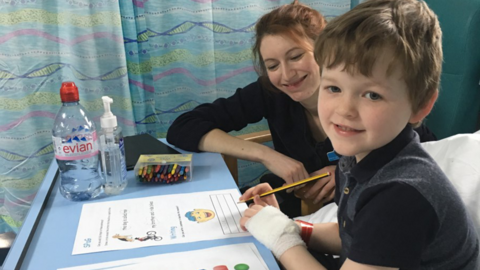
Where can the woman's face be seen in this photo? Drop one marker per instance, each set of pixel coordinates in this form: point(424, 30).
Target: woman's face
point(290, 67)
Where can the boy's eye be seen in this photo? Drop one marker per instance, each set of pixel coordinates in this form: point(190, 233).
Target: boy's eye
point(373, 96)
point(333, 89)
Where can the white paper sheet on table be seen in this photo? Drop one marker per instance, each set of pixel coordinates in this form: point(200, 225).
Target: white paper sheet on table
point(159, 220)
point(238, 256)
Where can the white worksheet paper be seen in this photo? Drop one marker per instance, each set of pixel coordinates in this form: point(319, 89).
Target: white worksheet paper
point(159, 220)
point(238, 256)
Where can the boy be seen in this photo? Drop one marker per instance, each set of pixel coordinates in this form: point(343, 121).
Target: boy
point(380, 67)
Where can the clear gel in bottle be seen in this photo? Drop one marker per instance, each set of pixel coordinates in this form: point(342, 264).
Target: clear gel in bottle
point(112, 152)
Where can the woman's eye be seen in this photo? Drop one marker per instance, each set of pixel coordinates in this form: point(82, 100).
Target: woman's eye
point(333, 89)
point(373, 96)
point(297, 57)
point(273, 67)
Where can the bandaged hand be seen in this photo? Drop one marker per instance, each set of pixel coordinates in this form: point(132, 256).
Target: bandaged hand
point(273, 229)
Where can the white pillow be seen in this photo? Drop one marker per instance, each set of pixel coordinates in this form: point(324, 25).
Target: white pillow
point(326, 214)
point(459, 158)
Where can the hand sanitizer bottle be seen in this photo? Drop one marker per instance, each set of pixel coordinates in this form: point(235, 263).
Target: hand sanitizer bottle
point(112, 152)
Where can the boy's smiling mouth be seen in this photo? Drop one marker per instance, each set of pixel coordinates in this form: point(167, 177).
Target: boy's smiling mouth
point(345, 130)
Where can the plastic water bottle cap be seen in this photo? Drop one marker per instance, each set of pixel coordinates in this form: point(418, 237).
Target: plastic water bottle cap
point(108, 120)
point(69, 92)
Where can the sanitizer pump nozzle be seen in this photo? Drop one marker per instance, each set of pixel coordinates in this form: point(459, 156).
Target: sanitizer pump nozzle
point(108, 120)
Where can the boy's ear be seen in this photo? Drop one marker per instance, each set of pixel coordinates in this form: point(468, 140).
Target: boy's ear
point(423, 112)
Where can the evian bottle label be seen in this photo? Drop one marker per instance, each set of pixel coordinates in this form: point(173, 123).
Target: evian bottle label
point(78, 145)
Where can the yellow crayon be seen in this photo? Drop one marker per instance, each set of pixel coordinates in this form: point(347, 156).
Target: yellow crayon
point(173, 169)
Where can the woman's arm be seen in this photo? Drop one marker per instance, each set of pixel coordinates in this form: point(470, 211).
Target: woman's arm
point(221, 142)
point(205, 129)
point(247, 105)
point(285, 167)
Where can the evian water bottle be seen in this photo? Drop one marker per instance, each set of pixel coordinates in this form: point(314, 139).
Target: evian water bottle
point(76, 148)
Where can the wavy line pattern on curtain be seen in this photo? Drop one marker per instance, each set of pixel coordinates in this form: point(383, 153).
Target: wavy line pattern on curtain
point(42, 44)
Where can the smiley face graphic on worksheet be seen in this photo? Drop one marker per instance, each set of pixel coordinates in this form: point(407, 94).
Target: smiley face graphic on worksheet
point(200, 215)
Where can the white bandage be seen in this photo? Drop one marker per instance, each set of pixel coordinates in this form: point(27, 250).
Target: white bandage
point(275, 230)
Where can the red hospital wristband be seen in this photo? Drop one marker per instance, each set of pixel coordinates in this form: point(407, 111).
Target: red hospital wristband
point(307, 229)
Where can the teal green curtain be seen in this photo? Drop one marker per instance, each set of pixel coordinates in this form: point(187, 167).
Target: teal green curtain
point(42, 44)
point(156, 59)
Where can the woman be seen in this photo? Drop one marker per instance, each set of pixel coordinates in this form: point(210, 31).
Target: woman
point(286, 95)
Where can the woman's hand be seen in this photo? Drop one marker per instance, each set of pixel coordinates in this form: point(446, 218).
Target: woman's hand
point(322, 190)
point(258, 190)
point(285, 167)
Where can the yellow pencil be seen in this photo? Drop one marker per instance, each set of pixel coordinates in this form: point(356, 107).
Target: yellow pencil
point(316, 177)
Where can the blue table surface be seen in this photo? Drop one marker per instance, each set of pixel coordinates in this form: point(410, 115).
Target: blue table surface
point(49, 244)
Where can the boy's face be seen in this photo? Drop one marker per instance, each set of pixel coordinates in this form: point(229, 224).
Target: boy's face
point(360, 114)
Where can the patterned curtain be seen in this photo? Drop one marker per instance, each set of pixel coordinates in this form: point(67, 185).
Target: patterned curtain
point(155, 58)
point(42, 44)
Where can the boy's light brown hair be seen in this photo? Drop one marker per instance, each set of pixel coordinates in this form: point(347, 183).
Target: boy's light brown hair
point(407, 27)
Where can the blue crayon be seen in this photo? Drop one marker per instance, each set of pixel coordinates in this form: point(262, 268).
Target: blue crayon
point(182, 170)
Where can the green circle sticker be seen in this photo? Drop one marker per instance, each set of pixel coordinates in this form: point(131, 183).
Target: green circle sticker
point(242, 266)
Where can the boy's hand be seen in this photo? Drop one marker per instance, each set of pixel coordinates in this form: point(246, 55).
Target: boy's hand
point(321, 191)
point(257, 190)
point(272, 228)
point(252, 210)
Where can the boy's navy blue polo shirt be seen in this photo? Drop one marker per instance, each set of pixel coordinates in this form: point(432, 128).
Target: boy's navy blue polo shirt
point(398, 209)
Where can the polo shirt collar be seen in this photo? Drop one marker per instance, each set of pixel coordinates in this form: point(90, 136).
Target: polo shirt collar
point(375, 160)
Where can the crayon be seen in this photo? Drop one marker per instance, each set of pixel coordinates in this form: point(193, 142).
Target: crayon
point(177, 171)
point(174, 168)
point(164, 168)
